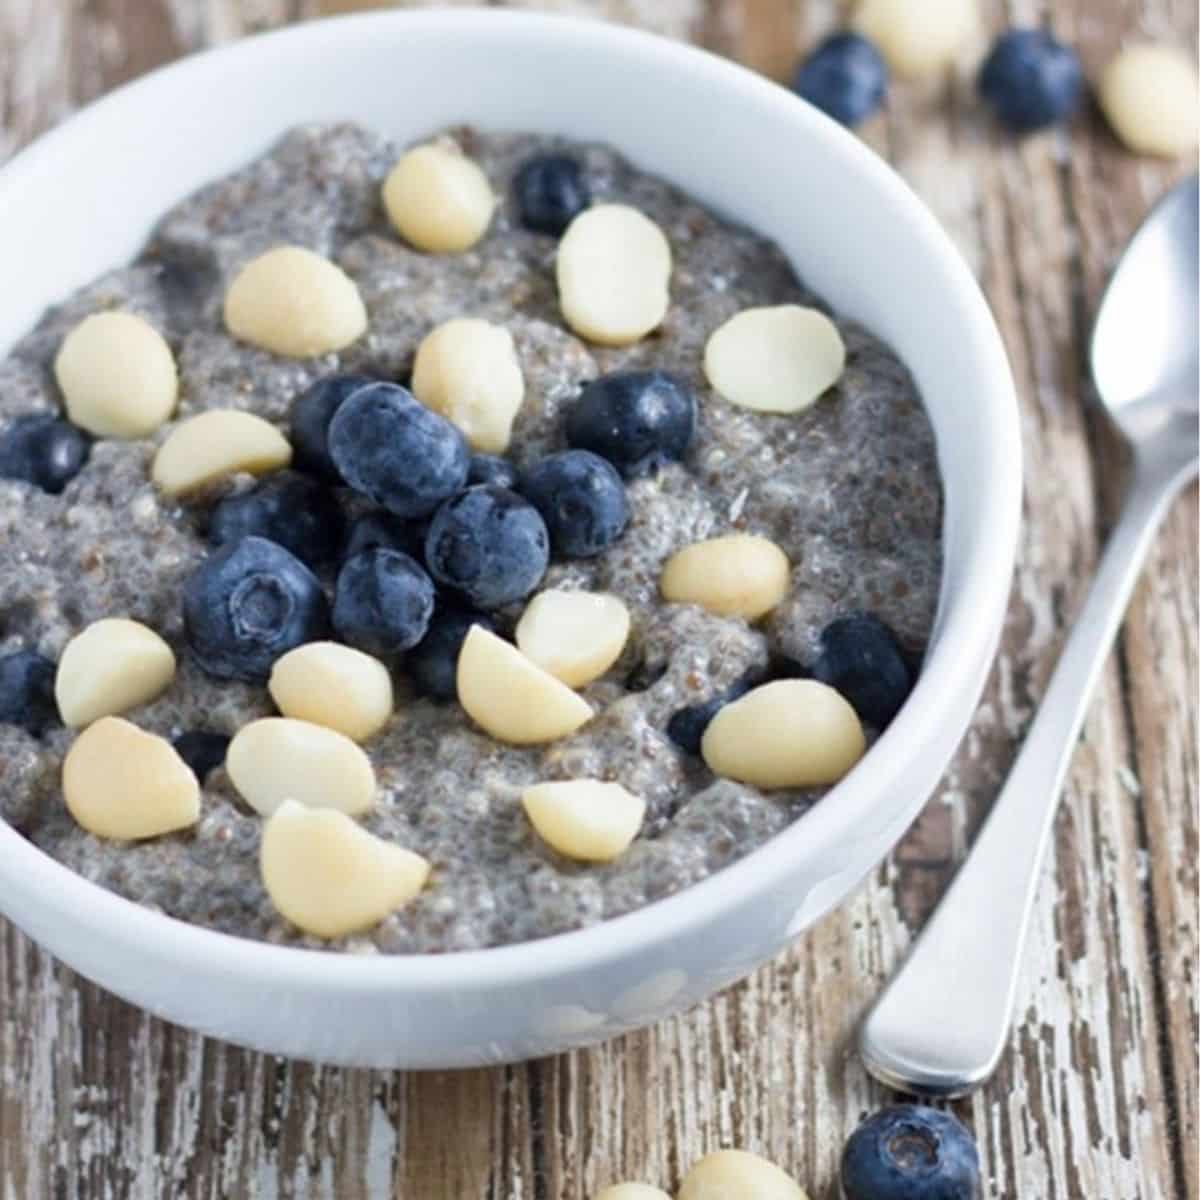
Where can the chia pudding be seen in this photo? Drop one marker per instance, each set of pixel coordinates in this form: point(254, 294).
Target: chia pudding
point(848, 489)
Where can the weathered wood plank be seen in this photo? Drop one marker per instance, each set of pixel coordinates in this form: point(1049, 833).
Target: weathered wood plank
point(1098, 1098)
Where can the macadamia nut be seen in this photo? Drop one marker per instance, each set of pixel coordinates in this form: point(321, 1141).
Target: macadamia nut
point(121, 782)
point(793, 733)
point(467, 370)
point(614, 271)
point(295, 303)
point(117, 376)
point(738, 1175)
point(918, 37)
point(333, 685)
point(576, 636)
point(438, 199)
point(584, 819)
point(329, 876)
point(1150, 95)
point(112, 666)
point(218, 443)
point(739, 575)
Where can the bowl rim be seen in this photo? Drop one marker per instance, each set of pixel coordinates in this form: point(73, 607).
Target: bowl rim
point(986, 576)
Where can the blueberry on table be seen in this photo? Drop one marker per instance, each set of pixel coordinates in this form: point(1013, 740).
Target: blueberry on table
point(1031, 80)
point(432, 664)
point(845, 77)
point(551, 192)
point(382, 602)
point(27, 691)
point(489, 545)
point(686, 726)
point(202, 750)
point(637, 420)
point(581, 499)
point(382, 531)
point(910, 1152)
point(249, 603)
point(41, 449)
point(860, 658)
point(396, 451)
point(312, 411)
point(491, 468)
point(289, 509)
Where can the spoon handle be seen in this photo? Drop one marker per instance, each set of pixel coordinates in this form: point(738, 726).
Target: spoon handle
point(940, 1026)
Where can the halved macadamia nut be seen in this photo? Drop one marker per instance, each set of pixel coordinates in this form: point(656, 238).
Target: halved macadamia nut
point(584, 819)
point(467, 370)
point(1150, 95)
point(112, 666)
point(218, 443)
point(121, 782)
point(777, 360)
point(296, 303)
point(438, 199)
point(614, 272)
point(279, 758)
point(793, 733)
point(632, 1191)
point(740, 1174)
point(333, 685)
point(918, 37)
point(512, 698)
point(117, 376)
point(576, 636)
point(331, 877)
point(738, 575)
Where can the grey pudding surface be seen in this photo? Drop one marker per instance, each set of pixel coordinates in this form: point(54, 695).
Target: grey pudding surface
point(849, 489)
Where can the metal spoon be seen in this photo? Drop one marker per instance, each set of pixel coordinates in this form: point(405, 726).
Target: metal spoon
point(942, 1023)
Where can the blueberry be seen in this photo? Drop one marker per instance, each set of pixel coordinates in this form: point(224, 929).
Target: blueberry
point(382, 531)
point(433, 664)
point(1031, 80)
point(489, 545)
point(845, 77)
point(27, 691)
point(248, 603)
point(286, 508)
point(203, 751)
point(491, 468)
point(910, 1152)
point(860, 657)
point(581, 499)
point(686, 727)
point(396, 451)
point(383, 602)
point(312, 411)
point(40, 449)
point(637, 420)
point(551, 192)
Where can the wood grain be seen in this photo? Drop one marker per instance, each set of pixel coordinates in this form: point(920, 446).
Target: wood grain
point(1097, 1098)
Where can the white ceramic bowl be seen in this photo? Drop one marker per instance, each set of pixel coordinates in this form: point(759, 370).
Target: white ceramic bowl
point(83, 199)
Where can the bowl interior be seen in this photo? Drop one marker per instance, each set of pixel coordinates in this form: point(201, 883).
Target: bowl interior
point(84, 199)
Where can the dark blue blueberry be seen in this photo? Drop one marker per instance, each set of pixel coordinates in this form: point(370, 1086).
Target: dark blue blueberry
point(432, 665)
point(27, 691)
point(686, 727)
point(383, 602)
point(551, 192)
point(845, 77)
point(581, 499)
point(382, 531)
point(491, 468)
point(910, 1152)
point(248, 603)
point(860, 657)
point(203, 751)
point(312, 412)
point(396, 451)
point(637, 420)
point(489, 545)
point(1031, 80)
point(39, 448)
point(286, 508)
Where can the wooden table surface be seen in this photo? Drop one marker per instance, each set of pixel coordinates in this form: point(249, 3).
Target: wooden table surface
point(1097, 1097)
